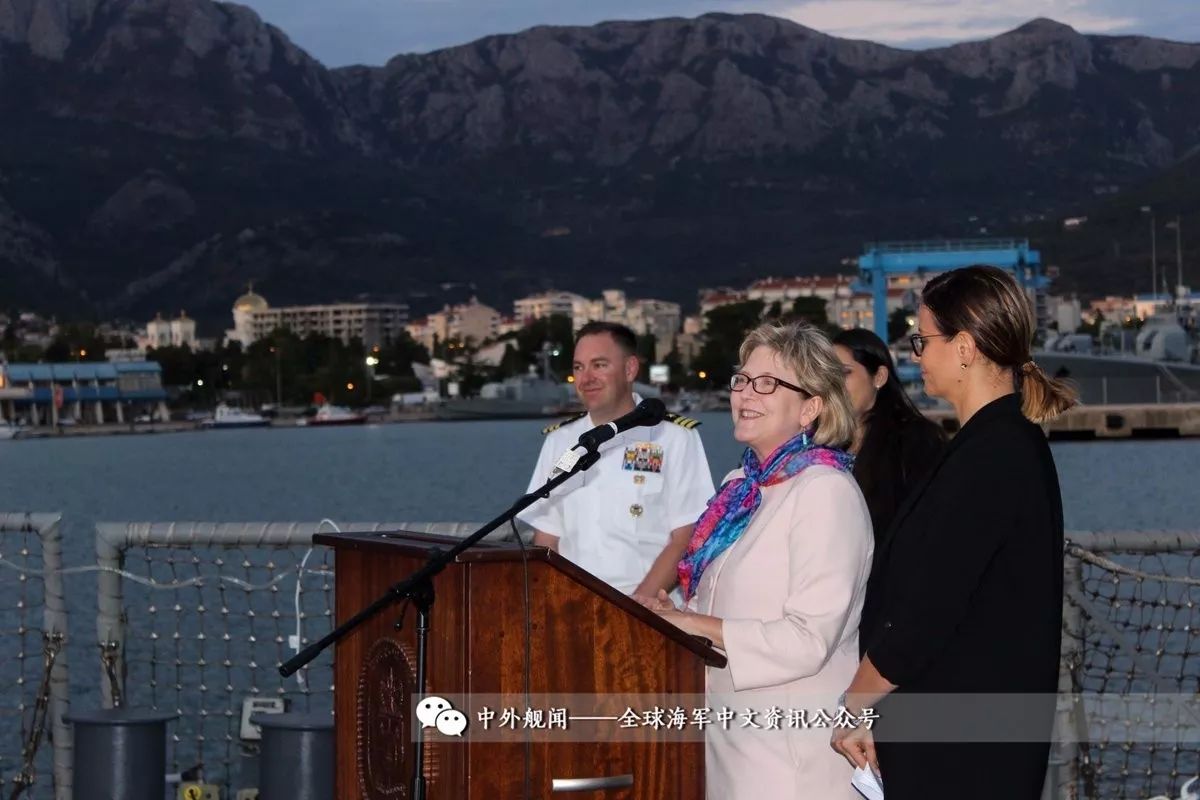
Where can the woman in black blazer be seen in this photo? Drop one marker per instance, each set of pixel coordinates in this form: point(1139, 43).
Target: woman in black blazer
point(965, 597)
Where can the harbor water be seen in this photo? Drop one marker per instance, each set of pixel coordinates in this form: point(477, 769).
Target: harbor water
point(454, 471)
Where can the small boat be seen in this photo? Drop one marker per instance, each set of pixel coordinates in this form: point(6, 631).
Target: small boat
point(334, 415)
point(229, 417)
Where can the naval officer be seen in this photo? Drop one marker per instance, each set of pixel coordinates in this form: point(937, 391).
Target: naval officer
point(628, 519)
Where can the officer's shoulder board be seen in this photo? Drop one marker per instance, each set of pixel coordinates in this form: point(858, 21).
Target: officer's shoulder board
point(683, 422)
point(559, 424)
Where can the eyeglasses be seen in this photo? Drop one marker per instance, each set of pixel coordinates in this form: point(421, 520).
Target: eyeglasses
point(763, 384)
point(918, 341)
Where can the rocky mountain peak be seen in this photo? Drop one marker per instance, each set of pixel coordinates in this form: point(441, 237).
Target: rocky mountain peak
point(715, 144)
point(188, 68)
point(1039, 52)
point(1044, 29)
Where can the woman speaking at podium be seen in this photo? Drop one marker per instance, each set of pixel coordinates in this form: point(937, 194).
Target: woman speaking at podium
point(776, 570)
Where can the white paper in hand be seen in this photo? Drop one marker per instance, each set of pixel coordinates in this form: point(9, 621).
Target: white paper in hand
point(867, 783)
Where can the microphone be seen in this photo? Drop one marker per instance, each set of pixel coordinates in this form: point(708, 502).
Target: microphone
point(650, 411)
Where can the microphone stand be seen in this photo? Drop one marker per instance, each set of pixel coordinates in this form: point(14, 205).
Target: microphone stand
point(417, 588)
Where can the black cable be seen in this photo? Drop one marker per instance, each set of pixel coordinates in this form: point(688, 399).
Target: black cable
point(528, 658)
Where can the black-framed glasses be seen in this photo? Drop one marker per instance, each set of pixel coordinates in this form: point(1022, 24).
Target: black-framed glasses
point(918, 341)
point(763, 384)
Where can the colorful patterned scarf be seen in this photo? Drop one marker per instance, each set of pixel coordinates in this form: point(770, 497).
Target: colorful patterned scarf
point(730, 510)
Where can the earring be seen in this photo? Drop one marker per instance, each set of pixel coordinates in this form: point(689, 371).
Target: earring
point(964, 366)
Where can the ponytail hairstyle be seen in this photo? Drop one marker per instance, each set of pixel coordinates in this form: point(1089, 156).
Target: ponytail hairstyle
point(1043, 398)
point(987, 303)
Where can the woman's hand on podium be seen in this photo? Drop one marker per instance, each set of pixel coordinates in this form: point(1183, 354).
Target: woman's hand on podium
point(702, 625)
point(656, 604)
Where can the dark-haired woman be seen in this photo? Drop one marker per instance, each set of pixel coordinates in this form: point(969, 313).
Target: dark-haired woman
point(895, 445)
point(963, 616)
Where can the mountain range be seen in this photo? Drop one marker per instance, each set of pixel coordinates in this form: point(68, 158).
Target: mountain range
point(160, 154)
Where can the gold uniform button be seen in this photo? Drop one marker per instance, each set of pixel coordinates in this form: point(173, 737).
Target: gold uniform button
point(635, 510)
point(639, 479)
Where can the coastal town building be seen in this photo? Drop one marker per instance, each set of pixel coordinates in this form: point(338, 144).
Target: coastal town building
point(857, 310)
point(711, 299)
point(180, 332)
point(509, 325)
point(845, 304)
point(92, 392)
point(645, 317)
point(787, 290)
point(657, 318)
point(688, 346)
point(472, 321)
point(1145, 305)
point(1065, 313)
point(30, 329)
point(374, 324)
point(1111, 309)
point(611, 306)
point(124, 355)
point(548, 304)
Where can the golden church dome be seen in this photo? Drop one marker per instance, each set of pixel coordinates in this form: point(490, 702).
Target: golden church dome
point(250, 301)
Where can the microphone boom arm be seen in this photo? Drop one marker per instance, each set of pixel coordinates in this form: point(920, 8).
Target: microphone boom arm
point(416, 582)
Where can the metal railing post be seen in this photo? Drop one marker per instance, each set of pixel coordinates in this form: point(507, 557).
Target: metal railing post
point(54, 623)
point(110, 613)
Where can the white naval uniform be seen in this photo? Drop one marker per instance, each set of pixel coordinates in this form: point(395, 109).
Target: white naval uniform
point(613, 521)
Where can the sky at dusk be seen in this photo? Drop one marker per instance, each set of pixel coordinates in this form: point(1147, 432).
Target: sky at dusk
point(341, 32)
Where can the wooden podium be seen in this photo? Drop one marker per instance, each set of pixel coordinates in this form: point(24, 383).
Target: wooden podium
point(585, 638)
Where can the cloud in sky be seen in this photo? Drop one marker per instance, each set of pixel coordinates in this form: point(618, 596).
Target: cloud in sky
point(340, 32)
point(925, 21)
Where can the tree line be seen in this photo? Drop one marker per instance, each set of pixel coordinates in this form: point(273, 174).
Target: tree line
point(287, 369)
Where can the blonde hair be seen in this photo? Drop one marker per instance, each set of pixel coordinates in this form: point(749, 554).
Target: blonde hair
point(809, 353)
point(987, 303)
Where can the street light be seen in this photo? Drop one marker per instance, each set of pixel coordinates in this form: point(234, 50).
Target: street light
point(1153, 256)
point(278, 377)
point(1177, 225)
point(372, 362)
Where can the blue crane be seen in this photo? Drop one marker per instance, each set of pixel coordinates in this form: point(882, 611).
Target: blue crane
point(881, 259)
